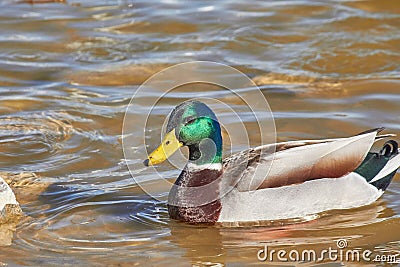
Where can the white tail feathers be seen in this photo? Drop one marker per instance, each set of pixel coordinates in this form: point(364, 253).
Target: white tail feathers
point(390, 167)
point(382, 136)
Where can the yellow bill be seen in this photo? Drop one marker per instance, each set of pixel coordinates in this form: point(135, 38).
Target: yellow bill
point(168, 146)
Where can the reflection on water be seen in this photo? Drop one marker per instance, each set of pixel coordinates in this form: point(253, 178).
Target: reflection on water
point(68, 70)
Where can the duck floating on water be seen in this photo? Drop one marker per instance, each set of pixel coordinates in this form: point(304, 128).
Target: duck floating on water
point(300, 178)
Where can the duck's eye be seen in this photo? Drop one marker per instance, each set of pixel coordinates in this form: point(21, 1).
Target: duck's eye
point(190, 121)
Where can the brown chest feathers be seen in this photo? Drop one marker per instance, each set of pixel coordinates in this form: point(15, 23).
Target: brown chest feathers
point(195, 196)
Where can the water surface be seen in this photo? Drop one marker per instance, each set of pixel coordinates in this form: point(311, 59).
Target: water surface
point(68, 70)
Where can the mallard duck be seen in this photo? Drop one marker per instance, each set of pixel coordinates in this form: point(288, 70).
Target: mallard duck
point(297, 179)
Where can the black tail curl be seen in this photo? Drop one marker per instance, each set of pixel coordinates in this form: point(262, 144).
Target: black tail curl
point(390, 149)
point(375, 162)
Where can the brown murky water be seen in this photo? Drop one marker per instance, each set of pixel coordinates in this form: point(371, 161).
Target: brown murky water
point(68, 70)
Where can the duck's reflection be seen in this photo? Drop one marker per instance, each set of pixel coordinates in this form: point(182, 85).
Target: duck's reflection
point(211, 244)
point(218, 245)
point(202, 244)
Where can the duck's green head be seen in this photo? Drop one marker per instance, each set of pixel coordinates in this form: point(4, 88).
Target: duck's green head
point(192, 124)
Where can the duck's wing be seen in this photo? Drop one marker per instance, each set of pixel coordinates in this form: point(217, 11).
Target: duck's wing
point(298, 161)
